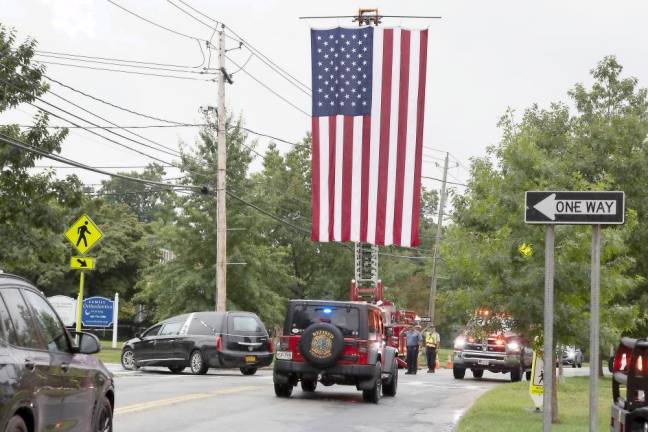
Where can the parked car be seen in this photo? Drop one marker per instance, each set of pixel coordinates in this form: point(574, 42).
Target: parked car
point(573, 356)
point(489, 343)
point(335, 342)
point(47, 382)
point(202, 340)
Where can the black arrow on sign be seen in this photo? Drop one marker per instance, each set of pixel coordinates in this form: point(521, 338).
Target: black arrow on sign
point(82, 262)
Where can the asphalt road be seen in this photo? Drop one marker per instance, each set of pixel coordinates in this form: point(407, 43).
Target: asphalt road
point(155, 399)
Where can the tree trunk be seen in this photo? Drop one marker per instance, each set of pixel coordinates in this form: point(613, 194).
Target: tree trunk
point(600, 365)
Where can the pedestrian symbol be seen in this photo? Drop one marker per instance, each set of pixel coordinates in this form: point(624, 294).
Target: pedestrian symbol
point(83, 234)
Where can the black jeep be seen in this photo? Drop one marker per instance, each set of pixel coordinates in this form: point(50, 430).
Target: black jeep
point(335, 343)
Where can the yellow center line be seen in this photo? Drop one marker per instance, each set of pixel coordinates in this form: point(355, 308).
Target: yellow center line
point(180, 399)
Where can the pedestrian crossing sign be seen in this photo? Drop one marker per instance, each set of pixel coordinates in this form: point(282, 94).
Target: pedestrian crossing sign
point(83, 234)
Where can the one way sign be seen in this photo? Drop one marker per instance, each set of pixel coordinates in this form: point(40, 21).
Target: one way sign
point(591, 208)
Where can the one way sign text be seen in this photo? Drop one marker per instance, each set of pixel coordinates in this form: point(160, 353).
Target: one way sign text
point(574, 207)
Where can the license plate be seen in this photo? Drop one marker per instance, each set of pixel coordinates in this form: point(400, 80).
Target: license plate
point(250, 359)
point(482, 362)
point(284, 355)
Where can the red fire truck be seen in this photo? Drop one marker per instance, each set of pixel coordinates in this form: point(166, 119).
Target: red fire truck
point(396, 321)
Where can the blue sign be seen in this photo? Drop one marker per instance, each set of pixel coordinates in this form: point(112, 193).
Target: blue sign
point(97, 312)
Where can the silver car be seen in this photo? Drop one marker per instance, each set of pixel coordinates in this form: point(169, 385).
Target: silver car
point(573, 356)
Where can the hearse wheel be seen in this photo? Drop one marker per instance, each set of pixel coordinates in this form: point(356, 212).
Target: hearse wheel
point(248, 370)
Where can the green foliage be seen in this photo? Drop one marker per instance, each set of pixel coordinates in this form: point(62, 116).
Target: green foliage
point(596, 148)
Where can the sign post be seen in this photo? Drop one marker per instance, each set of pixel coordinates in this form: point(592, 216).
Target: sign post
point(548, 328)
point(79, 302)
point(115, 320)
point(573, 208)
point(83, 234)
point(595, 361)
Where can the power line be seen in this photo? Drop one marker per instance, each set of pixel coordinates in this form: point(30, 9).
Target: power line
point(267, 87)
point(43, 52)
point(265, 59)
point(154, 23)
point(111, 63)
point(24, 146)
point(449, 182)
point(126, 71)
point(114, 105)
point(164, 149)
point(117, 127)
point(190, 15)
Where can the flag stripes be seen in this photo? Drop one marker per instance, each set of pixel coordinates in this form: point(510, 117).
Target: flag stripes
point(366, 169)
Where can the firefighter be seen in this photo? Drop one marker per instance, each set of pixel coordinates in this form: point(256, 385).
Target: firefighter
point(413, 339)
point(432, 340)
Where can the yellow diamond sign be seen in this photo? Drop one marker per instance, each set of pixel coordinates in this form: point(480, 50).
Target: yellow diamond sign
point(83, 234)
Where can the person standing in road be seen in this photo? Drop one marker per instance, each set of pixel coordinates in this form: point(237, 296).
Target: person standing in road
point(432, 341)
point(413, 340)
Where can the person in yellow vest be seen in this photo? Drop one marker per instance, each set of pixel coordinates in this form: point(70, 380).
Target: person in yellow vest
point(432, 340)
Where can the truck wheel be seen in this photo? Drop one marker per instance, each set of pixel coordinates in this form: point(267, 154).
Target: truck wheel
point(516, 374)
point(478, 373)
point(16, 424)
point(389, 387)
point(283, 390)
point(308, 385)
point(639, 426)
point(458, 372)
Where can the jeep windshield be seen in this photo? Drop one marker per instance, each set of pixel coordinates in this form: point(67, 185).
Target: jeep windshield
point(347, 319)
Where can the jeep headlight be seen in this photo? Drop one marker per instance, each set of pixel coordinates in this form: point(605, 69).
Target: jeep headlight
point(513, 346)
point(460, 342)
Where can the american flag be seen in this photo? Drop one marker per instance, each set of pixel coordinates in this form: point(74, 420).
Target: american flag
point(368, 111)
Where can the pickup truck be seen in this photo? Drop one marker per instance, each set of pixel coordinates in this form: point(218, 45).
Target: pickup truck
point(488, 343)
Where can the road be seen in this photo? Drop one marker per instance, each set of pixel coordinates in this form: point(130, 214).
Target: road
point(155, 399)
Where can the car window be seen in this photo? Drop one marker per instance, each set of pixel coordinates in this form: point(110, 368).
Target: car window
point(9, 332)
point(347, 319)
point(48, 323)
point(153, 331)
point(26, 335)
point(244, 323)
point(170, 329)
point(201, 327)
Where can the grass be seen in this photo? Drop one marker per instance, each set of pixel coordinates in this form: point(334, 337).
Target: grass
point(109, 354)
point(509, 408)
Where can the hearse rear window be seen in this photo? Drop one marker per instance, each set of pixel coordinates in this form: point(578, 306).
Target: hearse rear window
point(245, 324)
point(347, 319)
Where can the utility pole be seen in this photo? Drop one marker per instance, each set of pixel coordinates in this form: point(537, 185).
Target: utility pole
point(437, 241)
point(221, 173)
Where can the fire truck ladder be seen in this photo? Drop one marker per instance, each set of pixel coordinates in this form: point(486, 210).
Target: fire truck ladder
point(366, 285)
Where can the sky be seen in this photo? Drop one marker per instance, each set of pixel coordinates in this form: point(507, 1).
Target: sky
point(483, 58)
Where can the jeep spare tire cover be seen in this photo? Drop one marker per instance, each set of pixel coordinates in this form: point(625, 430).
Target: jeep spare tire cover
point(321, 344)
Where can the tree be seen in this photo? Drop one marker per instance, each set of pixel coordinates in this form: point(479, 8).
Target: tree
point(553, 149)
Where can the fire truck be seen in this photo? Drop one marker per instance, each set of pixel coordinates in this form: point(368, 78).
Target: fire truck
point(396, 320)
point(366, 286)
